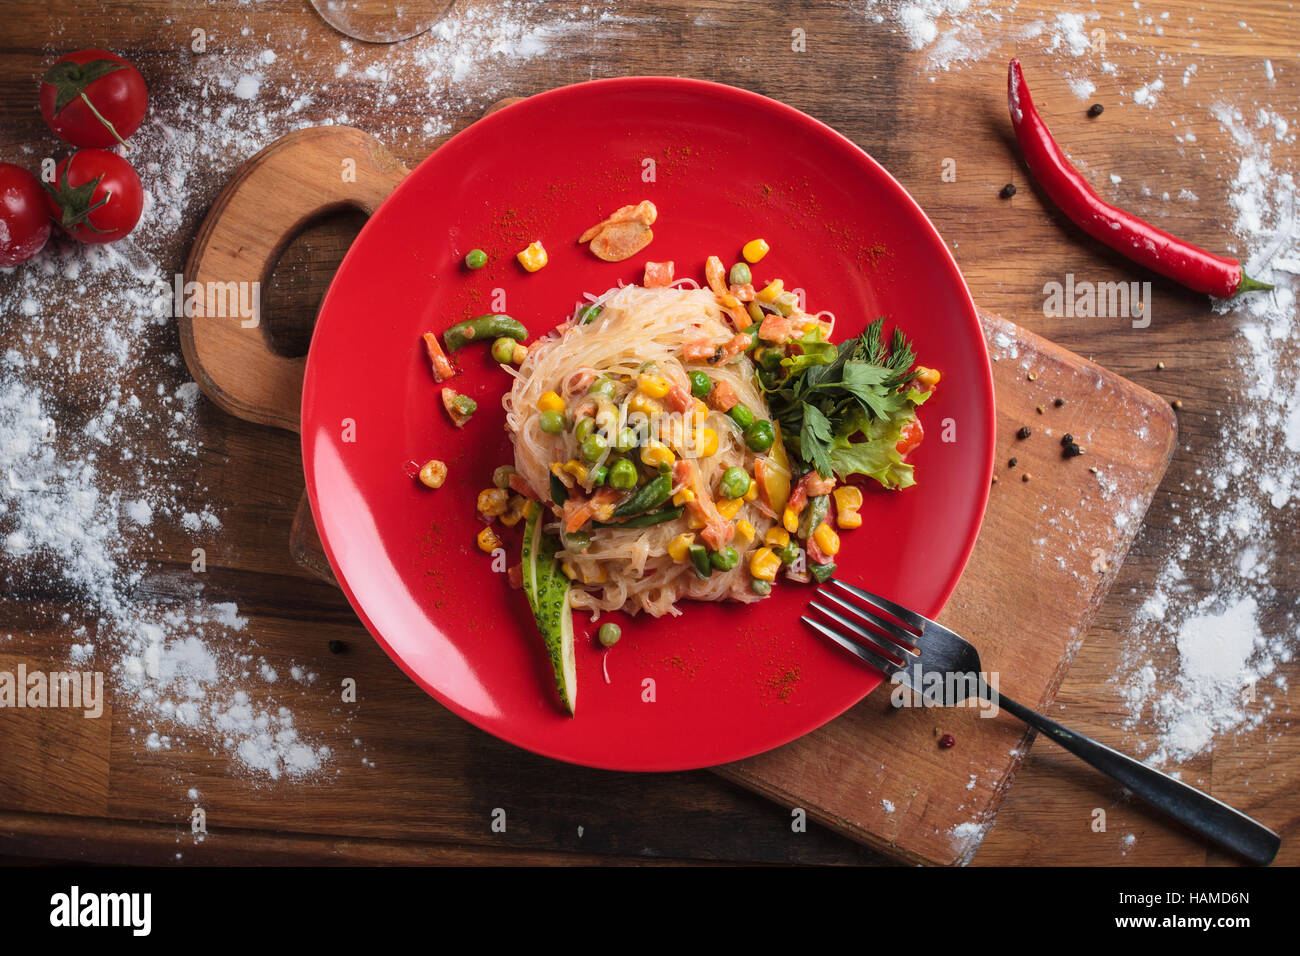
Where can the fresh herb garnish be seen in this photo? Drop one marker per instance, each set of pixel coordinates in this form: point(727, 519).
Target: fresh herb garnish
point(842, 408)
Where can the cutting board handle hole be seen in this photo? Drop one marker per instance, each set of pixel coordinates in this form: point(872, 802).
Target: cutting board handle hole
point(300, 277)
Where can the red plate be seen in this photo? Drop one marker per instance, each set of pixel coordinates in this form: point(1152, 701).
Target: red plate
point(723, 166)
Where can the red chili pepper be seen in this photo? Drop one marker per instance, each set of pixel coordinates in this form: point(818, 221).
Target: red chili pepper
point(1124, 232)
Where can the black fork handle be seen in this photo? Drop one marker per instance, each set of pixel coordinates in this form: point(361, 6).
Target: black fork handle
point(1212, 819)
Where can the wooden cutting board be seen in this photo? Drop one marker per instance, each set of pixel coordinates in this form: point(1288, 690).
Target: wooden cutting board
point(1049, 548)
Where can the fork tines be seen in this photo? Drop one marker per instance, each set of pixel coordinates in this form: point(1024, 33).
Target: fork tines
point(889, 641)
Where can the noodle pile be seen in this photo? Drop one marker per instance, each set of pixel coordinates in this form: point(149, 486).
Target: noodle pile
point(630, 568)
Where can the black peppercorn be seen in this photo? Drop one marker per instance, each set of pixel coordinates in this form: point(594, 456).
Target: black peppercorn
point(1095, 109)
point(1024, 432)
point(337, 647)
point(1008, 191)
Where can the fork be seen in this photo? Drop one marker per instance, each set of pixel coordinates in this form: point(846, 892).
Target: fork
point(910, 648)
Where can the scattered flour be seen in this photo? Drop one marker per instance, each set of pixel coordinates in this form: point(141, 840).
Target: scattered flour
point(99, 444)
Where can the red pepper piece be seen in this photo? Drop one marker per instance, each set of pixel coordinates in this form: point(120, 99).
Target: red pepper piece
point(1124, 232)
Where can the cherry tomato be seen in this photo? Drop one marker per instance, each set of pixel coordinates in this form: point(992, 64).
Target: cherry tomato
point(910, 437)
point(96, 196)
point(93, 98)
point(24, 218)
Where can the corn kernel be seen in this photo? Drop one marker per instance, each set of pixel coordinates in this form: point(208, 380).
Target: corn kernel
point(533, 257)
point(770, 291)
point(576, 468)
point(699, 412)
point(433, 474)
point(657, 453)
point(550, 402)
point(643, 403)
point(574, 573)
point(656, 386)
point(927, 377)
point(728, 507)
point(790, 520)
point(764, 564)
point(694, 521)
point(492, 502)
point(683, 497)
point(569, 570)
point(848, 520)
point(706, 442)
point(754, 250)
point(745, 530)
point(848, 497)
point(488, 541)
point(752, 493)
point(515, 513)
point(827, 539)
point(677, 548)
point(776, 538)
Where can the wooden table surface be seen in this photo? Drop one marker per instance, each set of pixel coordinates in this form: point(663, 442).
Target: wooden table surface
point(112, 800)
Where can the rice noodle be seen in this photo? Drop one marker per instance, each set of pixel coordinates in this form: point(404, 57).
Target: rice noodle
point(631, 566)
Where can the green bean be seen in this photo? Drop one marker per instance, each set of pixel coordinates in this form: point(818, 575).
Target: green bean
point(559, 493)
point(647, 520)
point(724, 560)
point(814, 514)
point(699, 555)
point(651, 495)
point(475, 259)
point(589, 314)
point(483, 327)
point(609, 634)
point(821, 572)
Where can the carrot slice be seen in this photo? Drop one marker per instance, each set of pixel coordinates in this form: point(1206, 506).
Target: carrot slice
point(442, 367)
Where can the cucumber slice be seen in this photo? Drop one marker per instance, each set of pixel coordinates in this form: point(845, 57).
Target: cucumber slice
point(548, 596)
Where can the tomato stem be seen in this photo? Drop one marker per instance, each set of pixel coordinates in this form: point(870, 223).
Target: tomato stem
point(109, 126)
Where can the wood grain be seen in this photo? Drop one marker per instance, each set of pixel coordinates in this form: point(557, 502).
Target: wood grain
point(865, 81)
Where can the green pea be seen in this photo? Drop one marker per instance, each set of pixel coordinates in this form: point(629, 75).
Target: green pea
point(626, 440)
point(724, 560)
point(603, 388)
point(576, 540)
point(588, 315)
point(552, 422)
point(475, 259)
point(584, 428)
point(593, 446)
point(598, 475)
point(501, 476)
point(759, 586)
point(609, 634)
point(622, 475)
point(741, 415)
point(503, 349)
point(740, 274)
point(760, 435)
point(701, 384)
point(735, 482)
